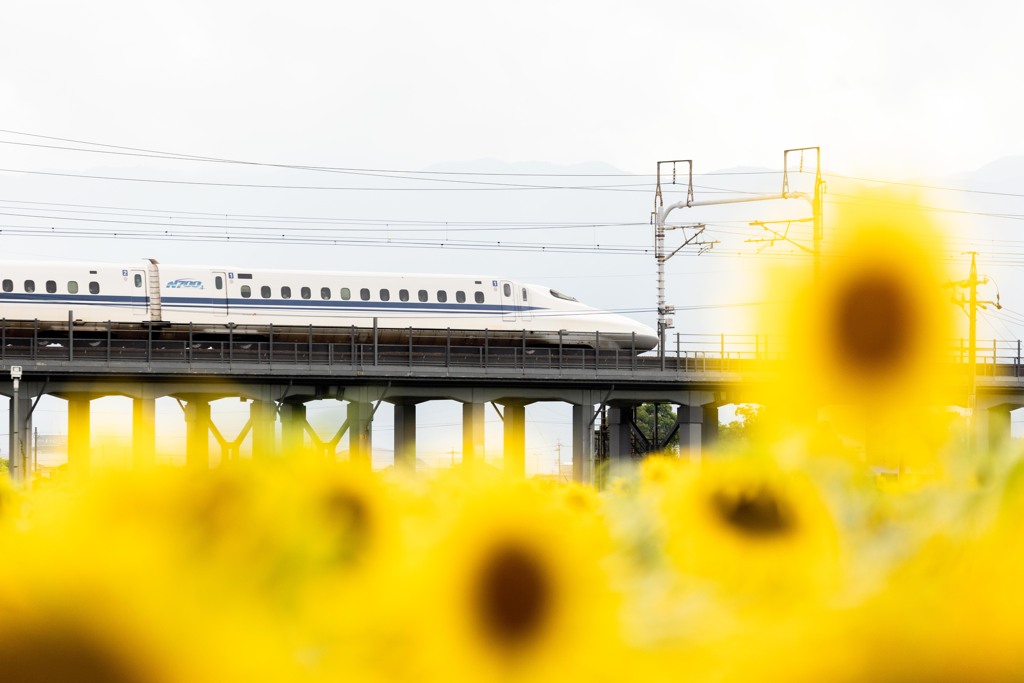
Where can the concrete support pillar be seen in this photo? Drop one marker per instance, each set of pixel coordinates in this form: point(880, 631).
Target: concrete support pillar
point(405, 436)
point(709, 425)
point(691, 422)
point(262, 414)
point(515, 439)
point(197, 433)
point(997, 433)
point(583, 444)
point(472, 431)
point(620, 443)
point(143, 432)
point(79, 433)
point(293, 428)
point(19, 441)
point(360, 433)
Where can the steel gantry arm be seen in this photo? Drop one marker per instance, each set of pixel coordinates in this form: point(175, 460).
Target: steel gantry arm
point(662, 211)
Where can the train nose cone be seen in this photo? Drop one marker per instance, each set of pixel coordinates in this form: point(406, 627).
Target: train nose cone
point(646, 341)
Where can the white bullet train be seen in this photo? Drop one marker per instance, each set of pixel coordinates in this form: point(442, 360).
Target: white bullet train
point(204, 300)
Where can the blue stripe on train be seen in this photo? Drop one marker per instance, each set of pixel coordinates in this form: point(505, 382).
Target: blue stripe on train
point(252, 305)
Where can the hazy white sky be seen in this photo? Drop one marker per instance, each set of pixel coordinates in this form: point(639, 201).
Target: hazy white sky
point(884, 86)
point(887, 88)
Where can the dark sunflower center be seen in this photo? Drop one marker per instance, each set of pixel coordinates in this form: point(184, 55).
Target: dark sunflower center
point(513, 596)
point(873, 323)
point(754, 513)
point(37, 656)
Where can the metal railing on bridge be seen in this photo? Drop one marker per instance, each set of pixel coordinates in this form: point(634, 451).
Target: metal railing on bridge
point(354, 347)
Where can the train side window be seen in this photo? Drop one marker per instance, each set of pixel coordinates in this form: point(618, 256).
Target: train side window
point(218, 282)
point(423, 295)
point(442, 296)
point(385, 295)
point(305, 292)
point(51, 286)
point(364, 294)
point(460, 296)
point(507, 289)
point(246, 291)
point(524, 294)
point(30, 286)
point(8, 285)
point(265, 292)
point(479, 297)
point(72, 287)
point(138, 280)
point(325, 293)
point(286, 292)
point(346, 293)
point(403, 294)
point(94, 288)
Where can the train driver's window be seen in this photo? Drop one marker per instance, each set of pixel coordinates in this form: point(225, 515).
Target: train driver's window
point(72, 287)
point(479, 297)
point(246, 291)
point(423, 295)
point(138, 280)
point(286, 292)
point(442, 295)
point(385, 295)
point(346, 293)
point(30, 286)
point(265, 292)
point(218, 282)
point(94, 288)
point(325, 293)
point(364, 294)
point(460, 296)
point(8, 285)
point(403, 294)
point(507, 288)
point(51, 286)
point(305, 293)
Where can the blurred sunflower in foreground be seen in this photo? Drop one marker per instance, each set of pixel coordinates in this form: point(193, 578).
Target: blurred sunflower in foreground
point(514, 587)
point(866, 338)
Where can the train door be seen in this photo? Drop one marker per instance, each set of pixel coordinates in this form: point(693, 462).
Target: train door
point(508, 302)
point(138, 297)
point(525, 310)
point(219, 297)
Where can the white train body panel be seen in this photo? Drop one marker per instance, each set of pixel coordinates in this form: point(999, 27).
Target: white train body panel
point(213, 299)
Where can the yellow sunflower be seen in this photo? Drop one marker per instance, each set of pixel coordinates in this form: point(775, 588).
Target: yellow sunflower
point(515, 588)
point(869, 333)
point(75, 607)
point(760, 533)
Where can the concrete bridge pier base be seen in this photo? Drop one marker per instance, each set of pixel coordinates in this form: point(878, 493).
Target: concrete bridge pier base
point(143, 432)
point(992, 424)
point(293, 428)
point(360, 433)
point(262, 415)
point(515, 439)
point(79, 432)
point(620, 442)
point(583, 443)
point(472, 431)
point(197, 433)
point(405, 436)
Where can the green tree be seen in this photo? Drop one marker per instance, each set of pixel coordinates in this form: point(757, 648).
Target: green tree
point(739, 431)
point(666, 421)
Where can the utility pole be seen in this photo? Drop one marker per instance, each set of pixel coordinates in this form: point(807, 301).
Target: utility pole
point(971, 304)
point(661, 212)
point(17, 456)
